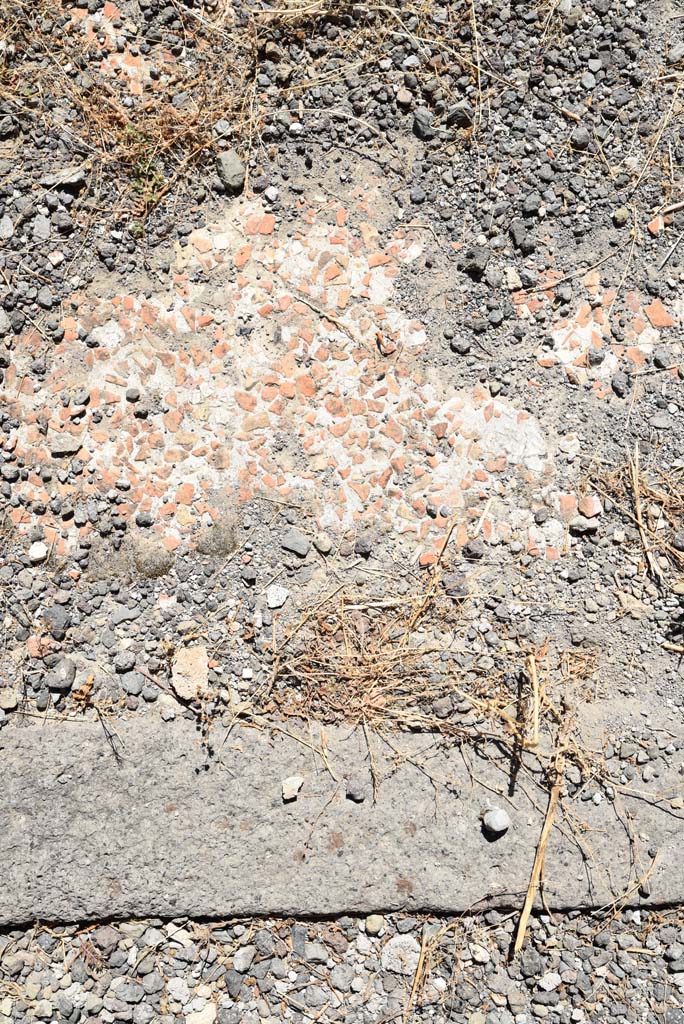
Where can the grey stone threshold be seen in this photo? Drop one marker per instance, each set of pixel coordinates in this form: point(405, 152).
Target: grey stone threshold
point(161, 830)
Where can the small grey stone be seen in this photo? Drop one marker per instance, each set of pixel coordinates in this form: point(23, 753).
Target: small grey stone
point(61, 678)
point(460, 115)
point(315, 996)
point(531, 964)
point(153, 982)
point(363, 546)
point(41, 228)
point(67, 177)
point(521, 237)
point(178, 990)
point(294, 541)
point(106, 937)
point(130, 992)
point(264, 942)
point(581, 525)
point(143, 1013)
point(231, 170)
point(124, 661)
point(532, 203)
point(221, 128)
point(661, 358)
point(676, 53)
point(123, 614)
point(6, 228)
point(474, 549)
point(64, 1003)
point(242, 960)
point(63, 443)
point(480, 954)
point(422, 123)
point(474, 261)
point(315, 953)
point(58, 620)
point(580, 137)
point(341, 977)
point(45, 298)
point(620, 383)
point(38, 552)
point(9, 698)
point(233, 982)
point(228, 1015)
point(133, 683)
point(323, 543)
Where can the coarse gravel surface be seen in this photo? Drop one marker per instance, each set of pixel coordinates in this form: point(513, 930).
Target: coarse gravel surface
point(341, 368)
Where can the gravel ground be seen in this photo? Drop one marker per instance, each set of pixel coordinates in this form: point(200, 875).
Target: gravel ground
point(624, 968)
point(288, 297)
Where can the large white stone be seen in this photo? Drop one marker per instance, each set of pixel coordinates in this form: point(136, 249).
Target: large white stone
point(401, 955)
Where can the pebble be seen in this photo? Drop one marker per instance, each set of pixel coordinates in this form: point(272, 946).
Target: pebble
point(190, 671)
point(479, 954)
point(61, 677)
point(38, 552)
point(231, 170)
point(374, 924)
point(243, 959)
point(276, 596)
point(291, 787)
point(9, 698)
point(496, 822)
point(401, 954)
point(295, 541)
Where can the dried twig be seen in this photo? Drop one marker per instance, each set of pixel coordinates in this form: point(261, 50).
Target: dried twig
point(656, 571)
point(558, 774)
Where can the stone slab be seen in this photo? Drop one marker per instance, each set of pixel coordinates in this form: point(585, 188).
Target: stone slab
point(161, 831)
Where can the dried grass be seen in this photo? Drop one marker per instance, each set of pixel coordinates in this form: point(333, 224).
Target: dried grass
point(146, 146)
point(652, 500)
point(143, 146)
point(392, 664)
point(387, 664)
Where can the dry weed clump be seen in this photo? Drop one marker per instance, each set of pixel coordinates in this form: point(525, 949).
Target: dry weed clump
point(59, 72)
point(395, 664)
point(141, 141)
point(651, 500)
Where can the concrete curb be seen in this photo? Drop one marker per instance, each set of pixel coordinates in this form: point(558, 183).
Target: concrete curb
point(157, 833)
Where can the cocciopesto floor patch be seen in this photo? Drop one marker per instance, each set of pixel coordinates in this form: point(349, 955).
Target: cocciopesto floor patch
point(282, 363)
